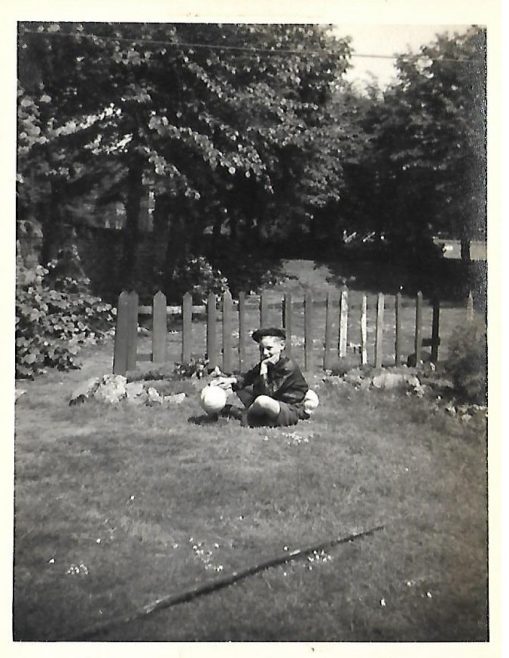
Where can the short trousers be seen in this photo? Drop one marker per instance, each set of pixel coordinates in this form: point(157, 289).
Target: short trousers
point(290, 414)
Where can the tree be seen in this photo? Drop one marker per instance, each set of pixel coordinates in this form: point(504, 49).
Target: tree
point(235, 137)
point(429, 138)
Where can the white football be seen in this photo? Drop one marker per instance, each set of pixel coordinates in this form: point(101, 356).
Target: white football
point(311, 401)
point(212, 399)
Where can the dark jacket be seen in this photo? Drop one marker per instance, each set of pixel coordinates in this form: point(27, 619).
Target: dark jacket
point(284, 382)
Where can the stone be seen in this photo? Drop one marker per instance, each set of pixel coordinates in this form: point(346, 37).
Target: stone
point(18, 392)
point(365, 384)
point(153, 397)
point(353, 377)
point(392, 380)
point(136, 393)
point(112, 389)
point(176, 398)
point(134, 388)
point(85, 391)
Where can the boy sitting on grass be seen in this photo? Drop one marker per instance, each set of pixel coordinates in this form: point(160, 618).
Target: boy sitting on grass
point(274, 391)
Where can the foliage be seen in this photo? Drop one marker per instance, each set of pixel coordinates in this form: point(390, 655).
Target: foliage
point(249, 271)
point(468, 360)
point(53, 323)
point(238, 139)
point(196, 368)
point(424, 162)
point(197, 276)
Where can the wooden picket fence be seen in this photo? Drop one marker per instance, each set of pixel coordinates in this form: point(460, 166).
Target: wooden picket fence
point(225, 309)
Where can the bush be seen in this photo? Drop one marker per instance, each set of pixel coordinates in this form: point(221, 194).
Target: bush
point(197, 276)
point(55, 317)
point(467, 363)
point(248, 271)
point(197, 368)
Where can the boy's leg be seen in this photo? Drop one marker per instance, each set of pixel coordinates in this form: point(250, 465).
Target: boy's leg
point(263, 411)
point(246, 396)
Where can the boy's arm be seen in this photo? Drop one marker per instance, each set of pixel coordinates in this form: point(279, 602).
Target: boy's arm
point(241, 381)
point(237, 381)
point(293, 387)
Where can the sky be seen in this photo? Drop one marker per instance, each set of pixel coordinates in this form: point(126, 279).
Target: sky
point(386, 40)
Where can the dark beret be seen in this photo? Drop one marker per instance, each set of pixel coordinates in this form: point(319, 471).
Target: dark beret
point(268, 331)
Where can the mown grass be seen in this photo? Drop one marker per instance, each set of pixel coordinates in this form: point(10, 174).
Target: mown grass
point(175, 503)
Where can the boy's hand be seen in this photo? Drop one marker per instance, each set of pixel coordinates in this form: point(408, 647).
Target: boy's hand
point(223, 382)
point(265, 364)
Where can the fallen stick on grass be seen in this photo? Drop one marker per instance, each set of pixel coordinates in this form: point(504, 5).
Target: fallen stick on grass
point(214, 585)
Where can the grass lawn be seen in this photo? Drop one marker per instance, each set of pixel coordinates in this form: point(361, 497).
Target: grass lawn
point(116, 507)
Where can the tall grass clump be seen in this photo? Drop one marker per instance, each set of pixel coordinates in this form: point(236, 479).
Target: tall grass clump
point(467, 364)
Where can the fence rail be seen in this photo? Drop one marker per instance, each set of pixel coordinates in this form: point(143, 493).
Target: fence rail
point(340, 315)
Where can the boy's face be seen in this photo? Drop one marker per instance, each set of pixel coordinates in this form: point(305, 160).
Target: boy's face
point(271, 348)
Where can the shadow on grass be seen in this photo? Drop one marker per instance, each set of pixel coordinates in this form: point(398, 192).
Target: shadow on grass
point(204, 420)
point(448, 279)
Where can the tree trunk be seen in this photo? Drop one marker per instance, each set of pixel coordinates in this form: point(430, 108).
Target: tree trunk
point(465, 249)
point(160, 238)
point(176, 250)
point(131, 228)
point(51, 220)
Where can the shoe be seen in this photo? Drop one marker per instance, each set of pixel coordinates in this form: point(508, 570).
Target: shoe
point(230, 411)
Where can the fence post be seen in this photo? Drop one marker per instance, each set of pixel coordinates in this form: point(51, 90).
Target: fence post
point(470, 307)
point(187, 327)
point(379, 330)
point(121, 331)
point(159, 328)
point(242, 330)
point(418, 328)
point(308, 332)
point(364, 330)
point(343, 322)
point(227, 332)
point(327, 355)
point(132, 331)
point(397, 340)
point(287, 321)
point(211, 331)
point(264, 309)
point(435, 330)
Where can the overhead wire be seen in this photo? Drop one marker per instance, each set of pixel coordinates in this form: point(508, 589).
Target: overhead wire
point(243, 50)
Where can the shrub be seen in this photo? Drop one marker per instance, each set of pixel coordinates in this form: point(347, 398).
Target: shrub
point(197, 368)
point(55, 317)
point(467, 361)
point(197, 276)
point(249, 272)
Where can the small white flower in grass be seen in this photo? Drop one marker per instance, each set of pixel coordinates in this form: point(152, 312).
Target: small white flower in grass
point(51, 561)
point(382, 603)
point(98, 540)
point(175, 545)
point(131, 498)
point(216, 545)
point(428, 594)
point(285, 548)
point(284, 573)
